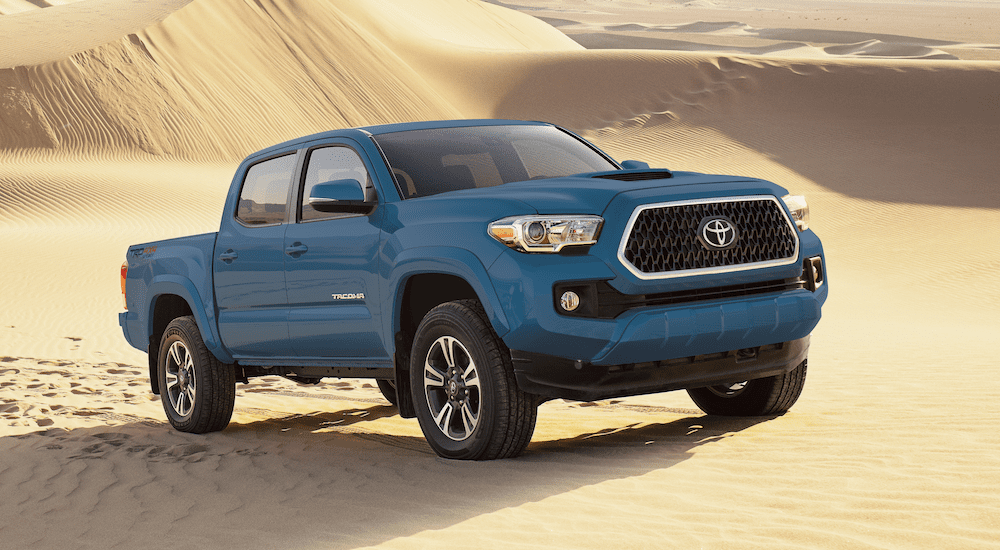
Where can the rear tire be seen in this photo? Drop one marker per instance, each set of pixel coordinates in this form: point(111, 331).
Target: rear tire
point(197, 390)
point(761, 397)
point(466, 398)
point(388, 389)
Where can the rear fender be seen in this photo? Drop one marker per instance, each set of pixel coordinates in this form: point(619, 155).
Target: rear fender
point(205, 317)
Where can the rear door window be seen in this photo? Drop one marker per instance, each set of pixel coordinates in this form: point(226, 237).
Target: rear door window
point(264, 196)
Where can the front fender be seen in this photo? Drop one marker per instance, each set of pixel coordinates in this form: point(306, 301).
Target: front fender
point(205, 317)
point(445, 260)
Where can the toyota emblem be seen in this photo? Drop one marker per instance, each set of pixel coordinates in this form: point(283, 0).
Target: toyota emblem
point(717, 233)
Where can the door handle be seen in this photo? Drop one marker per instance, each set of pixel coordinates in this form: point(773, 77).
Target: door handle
point(228, 256)
point(296, 250)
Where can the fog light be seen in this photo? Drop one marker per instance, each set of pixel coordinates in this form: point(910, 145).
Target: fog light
point(816, 263)
point(570, 300)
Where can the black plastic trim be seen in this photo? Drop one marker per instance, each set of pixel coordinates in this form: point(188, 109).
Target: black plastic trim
point(316, 372)
point(555, 377)
point(600, 300)
point(640, 175)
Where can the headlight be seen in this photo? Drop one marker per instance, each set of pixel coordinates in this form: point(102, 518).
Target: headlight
point(546, 233)
point(800, 210)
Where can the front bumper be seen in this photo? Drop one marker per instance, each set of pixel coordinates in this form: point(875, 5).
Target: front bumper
point(556, 377)
point(643, 334)
point(661, 345)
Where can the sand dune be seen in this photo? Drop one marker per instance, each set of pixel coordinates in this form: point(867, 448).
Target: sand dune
point(866, 48)
point(799, 28)
point(35, 36)
point(132, 134)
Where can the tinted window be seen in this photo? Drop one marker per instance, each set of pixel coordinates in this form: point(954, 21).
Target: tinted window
point(329, 164)
point(265, 191)
point(547, 160)
point(427, 162)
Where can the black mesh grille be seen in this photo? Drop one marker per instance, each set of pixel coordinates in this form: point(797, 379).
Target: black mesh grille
point(665, 239)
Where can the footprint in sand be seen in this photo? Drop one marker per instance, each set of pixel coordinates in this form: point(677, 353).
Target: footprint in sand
point(107, 442)
point(176, 453)
point(115, 440)
point(56, 363)
point(251, 454)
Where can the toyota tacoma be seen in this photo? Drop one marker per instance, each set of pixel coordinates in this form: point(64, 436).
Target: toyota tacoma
point(476, 269)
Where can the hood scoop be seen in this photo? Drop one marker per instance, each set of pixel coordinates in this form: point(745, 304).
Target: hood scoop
point(635, 175)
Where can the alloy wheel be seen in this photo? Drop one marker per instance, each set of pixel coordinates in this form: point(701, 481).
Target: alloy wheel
point(181, 379)
point(451, 385)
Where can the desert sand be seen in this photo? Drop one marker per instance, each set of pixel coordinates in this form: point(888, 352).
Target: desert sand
point(122, 122)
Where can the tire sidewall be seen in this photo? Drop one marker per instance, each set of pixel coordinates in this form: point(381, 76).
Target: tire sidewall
point(749, 401)
point(452, 322)
point(388, 389)
point(770, 396)
point(171, 335)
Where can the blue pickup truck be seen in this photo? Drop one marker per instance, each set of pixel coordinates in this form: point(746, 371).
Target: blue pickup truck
point(476, 269)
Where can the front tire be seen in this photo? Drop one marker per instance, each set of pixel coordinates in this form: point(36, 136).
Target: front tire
point(198, 391)
point(466, 398)
point(769, 396)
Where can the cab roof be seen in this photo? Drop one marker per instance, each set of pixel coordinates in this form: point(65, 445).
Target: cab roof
point(363, 131)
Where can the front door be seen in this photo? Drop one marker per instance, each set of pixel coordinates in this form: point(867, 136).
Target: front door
point(332, 267)
point(249, 264)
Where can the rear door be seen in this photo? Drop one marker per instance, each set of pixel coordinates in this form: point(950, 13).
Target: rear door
point(333, 279)
point(249, 263)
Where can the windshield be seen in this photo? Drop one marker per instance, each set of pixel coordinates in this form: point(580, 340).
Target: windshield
point(428, 162)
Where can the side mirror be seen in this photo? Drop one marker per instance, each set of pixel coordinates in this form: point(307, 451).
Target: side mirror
point(634, 165)
point(345, 195)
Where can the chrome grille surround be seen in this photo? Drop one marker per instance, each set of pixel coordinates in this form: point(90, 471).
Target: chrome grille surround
point(721, 203)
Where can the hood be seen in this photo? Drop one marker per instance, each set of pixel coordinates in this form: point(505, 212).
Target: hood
point(587, 193)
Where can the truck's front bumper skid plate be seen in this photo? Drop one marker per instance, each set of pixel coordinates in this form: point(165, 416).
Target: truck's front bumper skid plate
point(556, 377)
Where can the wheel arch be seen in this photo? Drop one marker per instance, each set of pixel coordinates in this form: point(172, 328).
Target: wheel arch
point(165, 308)
point(422, 279)
point(171, 297)
point(428, 276)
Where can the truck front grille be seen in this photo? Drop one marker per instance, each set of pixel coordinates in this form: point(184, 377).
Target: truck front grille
point(662, 240)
